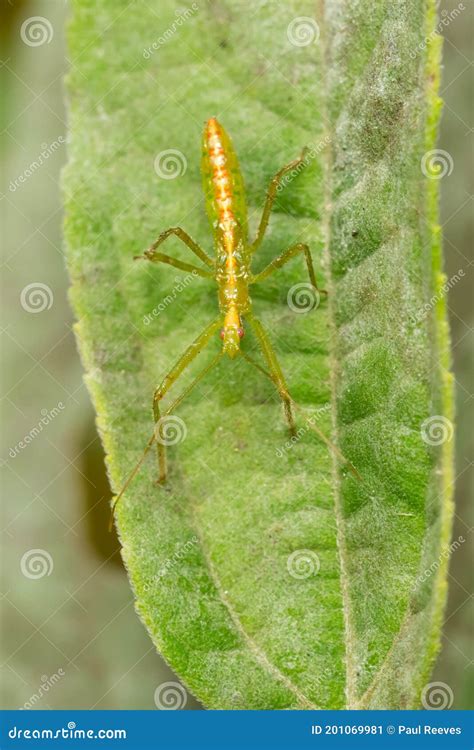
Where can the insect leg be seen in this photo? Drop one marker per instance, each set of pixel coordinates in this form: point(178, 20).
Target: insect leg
point(275, 184)
point(189, 355)
point(309, 420)
point(162, 442)
point(274, 367)
point(161, 258)
point(283, 258)
point(130, 478)
point(153, 438)
point(184, 237)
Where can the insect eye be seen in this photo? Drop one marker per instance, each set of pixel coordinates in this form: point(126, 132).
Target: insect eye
point(222, 333)
point(241, 332)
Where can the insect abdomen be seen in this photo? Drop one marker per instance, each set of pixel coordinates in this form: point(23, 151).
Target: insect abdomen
point(225, 203)
point(222, 181)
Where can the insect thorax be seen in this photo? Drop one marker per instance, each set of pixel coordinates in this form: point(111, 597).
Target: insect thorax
point(232, 274)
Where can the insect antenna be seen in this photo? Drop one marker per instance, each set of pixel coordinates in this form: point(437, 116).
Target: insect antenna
point(130, 477)
point(311, 426)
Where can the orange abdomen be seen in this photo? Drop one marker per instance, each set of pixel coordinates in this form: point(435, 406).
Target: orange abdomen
point(222, 185)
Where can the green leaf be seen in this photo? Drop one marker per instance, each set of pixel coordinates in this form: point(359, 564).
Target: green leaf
point(219, 561)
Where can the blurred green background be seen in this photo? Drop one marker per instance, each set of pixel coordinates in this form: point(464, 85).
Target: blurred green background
point(74, 629)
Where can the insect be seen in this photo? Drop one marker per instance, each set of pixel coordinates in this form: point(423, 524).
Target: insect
point(231, 270)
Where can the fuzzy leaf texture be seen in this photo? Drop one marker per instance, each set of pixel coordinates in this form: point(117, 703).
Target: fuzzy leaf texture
point(266, 574)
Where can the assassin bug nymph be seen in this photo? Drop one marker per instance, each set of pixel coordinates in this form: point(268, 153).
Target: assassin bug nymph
point(227, 211)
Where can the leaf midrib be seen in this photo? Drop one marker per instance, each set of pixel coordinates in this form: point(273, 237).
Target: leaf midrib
point(256, 650)
point(327, 163)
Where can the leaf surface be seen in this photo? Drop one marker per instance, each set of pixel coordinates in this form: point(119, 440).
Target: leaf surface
point(266, 574)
